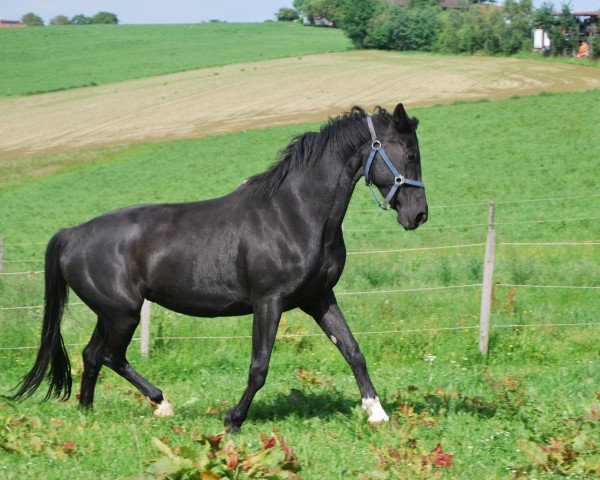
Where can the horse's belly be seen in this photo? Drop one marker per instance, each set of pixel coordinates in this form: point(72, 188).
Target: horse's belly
point(204, 307)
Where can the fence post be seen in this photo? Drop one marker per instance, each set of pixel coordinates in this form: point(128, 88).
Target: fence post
point(145, 334)
point(2, 247)
point(488, 275)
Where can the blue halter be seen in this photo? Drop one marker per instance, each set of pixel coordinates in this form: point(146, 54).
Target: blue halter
point(399, 180)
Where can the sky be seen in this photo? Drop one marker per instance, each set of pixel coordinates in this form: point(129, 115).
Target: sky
point(177, 11)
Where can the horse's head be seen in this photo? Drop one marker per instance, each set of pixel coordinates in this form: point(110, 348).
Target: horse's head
point(393, 165)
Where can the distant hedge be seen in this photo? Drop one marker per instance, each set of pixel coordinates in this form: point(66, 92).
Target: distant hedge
point(424, 26)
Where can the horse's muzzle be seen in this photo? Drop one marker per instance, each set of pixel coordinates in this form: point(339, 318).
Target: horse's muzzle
point(410, 222)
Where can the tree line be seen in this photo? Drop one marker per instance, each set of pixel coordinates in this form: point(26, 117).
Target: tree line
point(423, 25)
point(33, 20)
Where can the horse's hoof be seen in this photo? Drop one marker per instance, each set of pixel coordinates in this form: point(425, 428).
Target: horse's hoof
point(162, 409)
point(233, 427)
point(375, 410)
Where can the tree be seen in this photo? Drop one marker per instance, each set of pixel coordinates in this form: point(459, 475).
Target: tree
point(518, 33)
point(32, 20)
point(569, 27)
point(60, 20)
point(105, 18)
point(355, 16)
point(311, 9)
point(287, 15)
point(545, 19)
point(81, 19)
point(401, 28)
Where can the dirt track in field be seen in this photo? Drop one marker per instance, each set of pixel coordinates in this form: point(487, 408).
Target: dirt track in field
point(243, 96)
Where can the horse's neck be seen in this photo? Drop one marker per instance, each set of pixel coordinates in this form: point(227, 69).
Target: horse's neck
point(325, 190)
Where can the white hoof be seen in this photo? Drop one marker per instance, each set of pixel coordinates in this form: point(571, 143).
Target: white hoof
point(163, 409)
point(376, 412)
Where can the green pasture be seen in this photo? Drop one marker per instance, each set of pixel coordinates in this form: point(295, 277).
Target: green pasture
point(497, 416)
point(57, 58)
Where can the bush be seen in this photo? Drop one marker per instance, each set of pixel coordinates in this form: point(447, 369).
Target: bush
point(81, 20)
point(410, 28)
point(107, 18)
point(355, 17)
point(311, 9)
point(287, 15)
point(32, 20)
point(60, 20)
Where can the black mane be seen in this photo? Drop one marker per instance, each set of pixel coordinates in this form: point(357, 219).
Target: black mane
point(346, 130)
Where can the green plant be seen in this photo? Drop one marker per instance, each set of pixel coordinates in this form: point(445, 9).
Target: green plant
point(572, 449)
point(271, 459)
point(31, 436)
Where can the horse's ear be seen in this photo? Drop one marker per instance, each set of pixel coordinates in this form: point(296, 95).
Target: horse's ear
point(402, 121)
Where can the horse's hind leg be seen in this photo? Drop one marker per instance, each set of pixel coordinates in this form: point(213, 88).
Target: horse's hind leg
point(92, 363)
point(328, 315)
point(109, 345)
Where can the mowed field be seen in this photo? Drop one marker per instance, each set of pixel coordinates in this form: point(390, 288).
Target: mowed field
point(528, 410)
point(258, 94)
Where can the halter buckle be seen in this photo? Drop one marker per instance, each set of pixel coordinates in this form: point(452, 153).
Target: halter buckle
point(399, 179)
point(376, 145)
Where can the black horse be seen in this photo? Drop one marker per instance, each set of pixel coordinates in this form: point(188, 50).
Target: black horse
point(273, 244)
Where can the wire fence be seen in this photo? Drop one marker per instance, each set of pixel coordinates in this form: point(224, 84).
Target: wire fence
point(584, 243)
point(322, 335)
point(396, 250)
point(433, 207)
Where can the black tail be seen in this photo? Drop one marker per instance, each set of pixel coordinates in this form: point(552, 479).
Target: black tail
point(52, 348)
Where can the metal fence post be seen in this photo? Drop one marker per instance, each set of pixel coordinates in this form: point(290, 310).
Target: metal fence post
point(488, 285)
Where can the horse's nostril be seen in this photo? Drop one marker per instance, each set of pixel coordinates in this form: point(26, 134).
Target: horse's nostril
point(421, 218)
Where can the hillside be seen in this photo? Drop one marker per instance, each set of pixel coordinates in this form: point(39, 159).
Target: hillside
point(59, 58)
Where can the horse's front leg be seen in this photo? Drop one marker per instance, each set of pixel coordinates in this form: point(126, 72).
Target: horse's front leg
point(267, 313)
point(327, 314)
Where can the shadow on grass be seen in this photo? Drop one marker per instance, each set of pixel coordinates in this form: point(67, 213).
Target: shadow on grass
point(301, 404)
point(478, 406)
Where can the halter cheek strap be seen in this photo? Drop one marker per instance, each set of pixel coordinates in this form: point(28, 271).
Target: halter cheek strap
point(399, 179)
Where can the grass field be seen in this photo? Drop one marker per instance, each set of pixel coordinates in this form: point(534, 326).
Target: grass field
point(531, 406)
point(59, 58)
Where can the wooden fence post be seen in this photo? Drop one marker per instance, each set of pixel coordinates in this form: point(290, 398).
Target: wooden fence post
point(145, 333)
point(488, 285)
point(2, 249)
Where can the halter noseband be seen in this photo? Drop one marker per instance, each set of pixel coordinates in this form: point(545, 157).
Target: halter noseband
point(399, 180)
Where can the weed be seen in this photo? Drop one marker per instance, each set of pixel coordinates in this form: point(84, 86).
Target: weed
point(270, 459)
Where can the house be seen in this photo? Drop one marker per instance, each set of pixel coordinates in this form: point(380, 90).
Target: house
point(11, 23)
